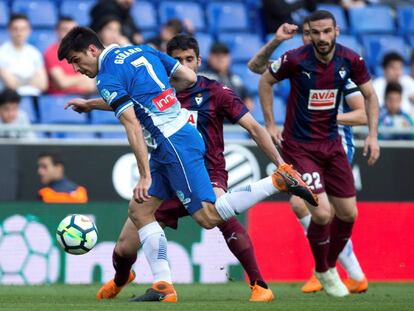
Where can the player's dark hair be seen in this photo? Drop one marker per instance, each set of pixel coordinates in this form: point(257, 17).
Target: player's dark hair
point(321, 14)
point(9, 96)
point(393, 87)
point(17, 16)
point(55, 157)
point(391, 57)
point(78, 40)
point(183, 42)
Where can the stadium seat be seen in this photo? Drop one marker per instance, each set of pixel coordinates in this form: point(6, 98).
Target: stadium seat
point(279, 110)
point(26, 104)
point(144, 15)
point(182, 10)
point(51, 111)
point(371, 19)
point(250, 79)
point(405, 17)
point(4, 36)
point(350, 42)
point(411, 41)
point(204, 43)
point(242, 45)
point(78, 10)
point(103, 117)
point(376, 46)
point(42, 38)
point(72, 135)
point(227, 16)
point(114, 135)
point(339, 15)
point(41, 13)
point(4, 14)
point(285, 46)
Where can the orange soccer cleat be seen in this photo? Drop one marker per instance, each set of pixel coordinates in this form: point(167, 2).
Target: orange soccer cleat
point(160, 291)
point(287, 179)
point(110, 290)
point(312, 285)
point(261, 294)
point(356, 287)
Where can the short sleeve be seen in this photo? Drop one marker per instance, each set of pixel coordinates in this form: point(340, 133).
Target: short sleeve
point(170, 64)
point(114, 93)
point(229, 104)
point(359, 70)
point(280, 69)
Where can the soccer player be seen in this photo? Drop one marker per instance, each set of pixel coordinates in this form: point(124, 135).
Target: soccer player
point(318, 74)
point(351, 112)
point(134, 82)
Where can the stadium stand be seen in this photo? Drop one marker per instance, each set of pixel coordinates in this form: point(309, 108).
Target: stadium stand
point(182, 10)
point(41, 13)
point(227, 16)
point(78, 10)
point(242, 45)
point(51, 111)
point(144, 15)
point(4, 14)
point(371, 19)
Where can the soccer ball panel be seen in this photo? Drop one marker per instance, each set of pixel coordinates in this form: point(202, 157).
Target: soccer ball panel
point(91, 239)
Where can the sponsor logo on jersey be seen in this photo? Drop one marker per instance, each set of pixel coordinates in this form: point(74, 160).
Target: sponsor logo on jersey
point(276, 65)
point(199, 98)
point(192, 117)
point(322, 99)
point(182, 198)
point(165, 100)
point(108, 96)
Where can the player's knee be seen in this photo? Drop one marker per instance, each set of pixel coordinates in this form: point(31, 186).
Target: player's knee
point(322, 217)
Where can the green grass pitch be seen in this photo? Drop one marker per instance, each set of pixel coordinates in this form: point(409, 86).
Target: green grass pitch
point(232, 296)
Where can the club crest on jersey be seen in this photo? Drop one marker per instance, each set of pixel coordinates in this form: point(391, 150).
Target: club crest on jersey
point(342, 72)
point(165, 100)
point(322, 99)
point(276, 65)
point(199, 98)
point(108, 96)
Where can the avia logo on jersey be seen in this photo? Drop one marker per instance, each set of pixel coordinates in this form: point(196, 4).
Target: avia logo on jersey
point(192, 118)
point(165, 100)
point(322, 99)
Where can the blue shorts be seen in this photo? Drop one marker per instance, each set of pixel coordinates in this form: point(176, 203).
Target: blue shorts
point(178, 169)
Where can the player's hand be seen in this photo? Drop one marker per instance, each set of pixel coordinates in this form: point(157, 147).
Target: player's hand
point(275, 134)
point(371, 149)
point(79, 105)
point(286, 32)
point(141, 190)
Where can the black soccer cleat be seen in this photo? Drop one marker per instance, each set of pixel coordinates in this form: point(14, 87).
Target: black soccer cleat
point(159, 292)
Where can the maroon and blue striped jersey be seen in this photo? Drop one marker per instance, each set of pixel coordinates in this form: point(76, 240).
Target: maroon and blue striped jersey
point(210, 103)
point(316, 90)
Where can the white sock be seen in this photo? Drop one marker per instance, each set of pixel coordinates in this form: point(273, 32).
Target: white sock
point(305, 222)
point(154, 244)
point(350, 263)
point(240, 200)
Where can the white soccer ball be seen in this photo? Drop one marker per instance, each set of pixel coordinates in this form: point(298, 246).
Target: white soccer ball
point(77, 234)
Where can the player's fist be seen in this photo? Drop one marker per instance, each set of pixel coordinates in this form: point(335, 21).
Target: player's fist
point(141, 189)
point(79, 105)
point(286, 31)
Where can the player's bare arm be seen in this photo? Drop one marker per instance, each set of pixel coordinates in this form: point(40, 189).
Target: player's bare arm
point(371, 146)
point(136, 140)
point(262, 138)
point(85, 105)
point(183, 78)
point(358, 115)
point(260, 61)
point(266, 99)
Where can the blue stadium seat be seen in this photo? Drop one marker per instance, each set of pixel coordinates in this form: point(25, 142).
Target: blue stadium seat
point(182, 10)
point(103, 117)
point(227, 16)
point(72, 135)
point(78, 10)
point(411, 41)
point(250, 79)
point(339, 15)
point(4, 14)
point(41, 13)
point(144, 15)
point(114, 135)
point(4, 36)
point(371, 19)
point(51, 111)
point(376, 46)
point(205, 40)
point(350, 42)
point(26, 104)
point(285, 46)
point(42, 38)
point(405, 17)
point(279, 110)
point(242, 45)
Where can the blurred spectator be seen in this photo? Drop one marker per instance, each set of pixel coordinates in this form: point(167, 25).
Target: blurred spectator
point(120, 9)
point(56, 187)
point(21, 64)
point(63, 79)
point(393, 65)
point(346, 4)
point(12, 115)
point(392, 115)
point(169, 30)
point(277, 12)
point(109, 30)
point(218, 68)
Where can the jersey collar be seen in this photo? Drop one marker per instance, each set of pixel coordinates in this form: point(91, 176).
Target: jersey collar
point(105, 52)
